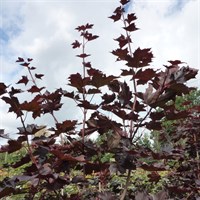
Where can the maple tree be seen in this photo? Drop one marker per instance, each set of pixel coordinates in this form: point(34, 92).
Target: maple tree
point(48, 165)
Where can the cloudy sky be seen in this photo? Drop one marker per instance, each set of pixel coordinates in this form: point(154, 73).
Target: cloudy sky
point(44, 30)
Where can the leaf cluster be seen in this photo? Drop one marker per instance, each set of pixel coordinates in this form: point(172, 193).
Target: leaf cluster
point(49, 164)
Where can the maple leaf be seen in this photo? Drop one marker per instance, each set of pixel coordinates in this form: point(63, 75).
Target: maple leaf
point(116, 17)
point(144, 76)
point(3, 88)
point(13, 145)
point(78, 82)
point(89, 36)
point(83, 55)
point(20, 59)
point(29, 59)
point(120, 53)
point(123, 2)
point(130, 18)
point(153, 167)
point(39, 76)
point(93, 91)
point(175, 62)
point(76, 44)
point(66, 126)
point(32, 68)
point(141, 58)
point(84, 27)
point(98, 78)
point(89, 26)
point(15, 91)
point(87, 105)
point(35, 89)
point(123, 40)
point(68, 157)
point(25, 64)
point(23, 80)
point(128, 72)
point(108, 98)
point(14, 105)
point(32, 106)
point(131, 27)
point(87, 64)
point(114, 86)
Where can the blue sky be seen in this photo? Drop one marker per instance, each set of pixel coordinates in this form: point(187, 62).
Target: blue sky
point(44, 30)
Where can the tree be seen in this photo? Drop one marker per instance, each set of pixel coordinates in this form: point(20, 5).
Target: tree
point(49, 171)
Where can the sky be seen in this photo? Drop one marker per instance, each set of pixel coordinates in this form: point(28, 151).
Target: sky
point(44, 30)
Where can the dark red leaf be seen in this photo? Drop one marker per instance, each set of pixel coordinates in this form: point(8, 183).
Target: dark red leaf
point(78, 179)
point(15, 91)
point(131, 17)
point(20, 59)
point(141, 58)
point(123, 40)
point(154, 125)
point(24, 160)
point(116, 17)
point(25, 64)
point(83, 55)
point(32, 68)
point(157, 115)
point(131, 27)
point(114, 86)
point(66, 126)
point(76, 44)
point(33, 106)
point(175, 62)
point(78, 82)
point(14, 105)
point(123, 2)
point(98, 78)
point(3, 88)
point(153, 167)
point(154, 177)
point(93, 91)
point(39, 76)
point(23, 80)
point(35, 89)
point(119, 10)
point(29, 59)
point(68, 94)
point(7, 190)
point(127, 72)
point(174, 115)
point(87, 64)
point(120, 53)
point(84, 27)
point(108, 98)
point(144, 76)
point(87, 105)
point(13, 145)
point(89, 36)
point(68, 157)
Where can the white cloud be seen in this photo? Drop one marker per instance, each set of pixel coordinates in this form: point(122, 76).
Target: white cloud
point(45, 30)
